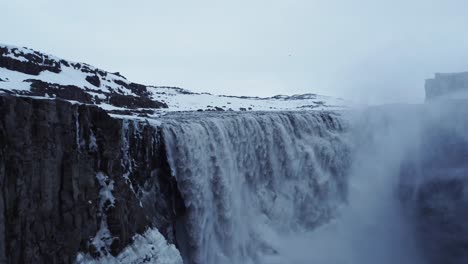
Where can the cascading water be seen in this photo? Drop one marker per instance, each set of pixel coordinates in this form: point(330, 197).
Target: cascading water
point(250, 179)
point(371, 227)
point(311, 188)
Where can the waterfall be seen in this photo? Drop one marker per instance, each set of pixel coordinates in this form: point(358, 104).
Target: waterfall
point(371, 227)
point(248, 180)
point(383, 185)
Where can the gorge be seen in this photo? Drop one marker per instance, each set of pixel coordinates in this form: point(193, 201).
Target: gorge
point(111, 171)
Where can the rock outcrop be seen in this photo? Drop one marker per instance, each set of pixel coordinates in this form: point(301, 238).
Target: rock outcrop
point(451, 85)
point(88, 84)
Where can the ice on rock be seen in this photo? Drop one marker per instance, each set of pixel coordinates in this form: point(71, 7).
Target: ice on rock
point(103, 239)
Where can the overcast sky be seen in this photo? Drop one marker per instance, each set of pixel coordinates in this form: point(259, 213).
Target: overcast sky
point(373, 51)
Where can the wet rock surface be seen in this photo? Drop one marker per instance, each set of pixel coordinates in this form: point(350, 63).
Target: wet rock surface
point(435, 187)
point(50, 154)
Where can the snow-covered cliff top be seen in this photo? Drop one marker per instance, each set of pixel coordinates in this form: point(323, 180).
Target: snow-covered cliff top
point(27, 72)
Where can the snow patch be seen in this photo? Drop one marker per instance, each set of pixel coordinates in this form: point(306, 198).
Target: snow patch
point(177, 99)
point(151, 247)
point(186, 101)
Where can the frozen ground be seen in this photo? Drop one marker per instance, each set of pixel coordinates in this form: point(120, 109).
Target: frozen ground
point(99, 85)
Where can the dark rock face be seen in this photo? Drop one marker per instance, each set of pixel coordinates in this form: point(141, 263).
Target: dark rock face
point(138, 89)
point(133, 102)
point(445, 84)
point(442, 208)
point(435, 190)
point(35, 62)
point(94, 80)
point(71, 92)
point(67, 92)
point(50, 154)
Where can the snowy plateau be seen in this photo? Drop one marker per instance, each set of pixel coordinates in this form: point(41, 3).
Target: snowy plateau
point(27, 72)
